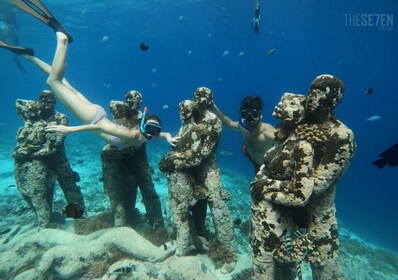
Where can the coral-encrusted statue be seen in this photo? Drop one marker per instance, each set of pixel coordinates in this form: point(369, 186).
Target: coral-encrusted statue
point(295, 189)
point(40, 160)
point(126, 168)
point(195, 154)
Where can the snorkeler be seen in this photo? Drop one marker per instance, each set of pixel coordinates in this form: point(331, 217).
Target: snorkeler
point(257, 135)
point(256, 19)
point(92, 115)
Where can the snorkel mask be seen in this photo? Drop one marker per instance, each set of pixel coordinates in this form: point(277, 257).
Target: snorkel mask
point(249, 118)
point(149, 129)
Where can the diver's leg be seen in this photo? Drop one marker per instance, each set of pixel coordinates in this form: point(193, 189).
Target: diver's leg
point(81, 110)
point(46, 68)
point(17, 49)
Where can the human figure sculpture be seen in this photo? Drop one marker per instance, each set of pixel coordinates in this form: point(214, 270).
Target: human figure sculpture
point(125, 169)
point(40, 159)
point(195, 157)
point(333, 147)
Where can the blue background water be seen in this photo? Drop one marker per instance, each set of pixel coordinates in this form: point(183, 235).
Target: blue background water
point(310, 38)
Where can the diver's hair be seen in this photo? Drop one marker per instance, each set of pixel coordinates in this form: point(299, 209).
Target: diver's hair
point(251, 102)
point(152, 117)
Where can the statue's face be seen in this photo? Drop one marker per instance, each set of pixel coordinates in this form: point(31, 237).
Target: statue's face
point(203, 98)
point(290, 109)
point(47, 102)
point(316, 99)
point(186, 109)
point(133, 100)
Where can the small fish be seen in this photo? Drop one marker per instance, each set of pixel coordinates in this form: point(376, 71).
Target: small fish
point(271, 52)
point(101, 179)
point(226, 153)
point(73, 210)
point(165, 107)
point(373, 118)
point(154, 70)
point(225, 53)
point(288, 242)
point(388, 157)
point(124, 269)
point(237, 221)
point(293, 236)
point(79, 161)
point(144, 47)
point(189, 53)
point(299, 273)
point(241, 54)
point(9, 187)
point(104, 39)
point(7, 230)
point(164, 246)
point(369, 91)
point(154, 85)
point(219, 79)
point(180, 17)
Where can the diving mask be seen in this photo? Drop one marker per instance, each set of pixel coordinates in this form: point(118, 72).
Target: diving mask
point(149, 129)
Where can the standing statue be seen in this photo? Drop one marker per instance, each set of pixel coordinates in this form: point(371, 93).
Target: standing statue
point(40, 159)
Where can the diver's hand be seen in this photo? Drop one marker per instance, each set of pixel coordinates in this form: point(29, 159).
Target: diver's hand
point(59, 128)
point(174, 140)
point(171, 140)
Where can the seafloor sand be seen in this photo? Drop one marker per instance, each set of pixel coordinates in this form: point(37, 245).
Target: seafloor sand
point(360, 260)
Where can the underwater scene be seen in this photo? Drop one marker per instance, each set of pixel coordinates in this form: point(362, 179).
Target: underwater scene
point(158, 139)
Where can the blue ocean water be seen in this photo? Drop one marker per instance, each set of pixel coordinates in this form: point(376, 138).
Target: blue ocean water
point(355, 41)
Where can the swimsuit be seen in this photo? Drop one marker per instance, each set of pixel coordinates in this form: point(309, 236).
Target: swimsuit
point(255, 164)
point(100, 113)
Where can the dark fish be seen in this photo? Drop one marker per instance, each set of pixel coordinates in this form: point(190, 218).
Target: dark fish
point(10, 186)
point(125, 269)
point(164, 246)
point(237, 222)
point(299, 273)
point(80, 161)
point(74, 211)
point(388, 157)
point(101, 179)
point(293, 236)
point(369, 91)
point(144, 47)
point(7, 230)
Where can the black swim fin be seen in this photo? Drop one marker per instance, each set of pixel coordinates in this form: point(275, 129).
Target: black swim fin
point(39, 11)
point(17, 50)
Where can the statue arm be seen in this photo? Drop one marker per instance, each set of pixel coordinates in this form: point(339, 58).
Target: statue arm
point(298, 190)
point(337, 159)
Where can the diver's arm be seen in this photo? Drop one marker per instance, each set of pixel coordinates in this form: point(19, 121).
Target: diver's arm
point(104, 128)
point(224, 119)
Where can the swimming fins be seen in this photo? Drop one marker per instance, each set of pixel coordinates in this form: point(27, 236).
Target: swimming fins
point(39, 11)
point(16, 49)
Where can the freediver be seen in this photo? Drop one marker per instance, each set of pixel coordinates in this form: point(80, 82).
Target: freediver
point(256, 19)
